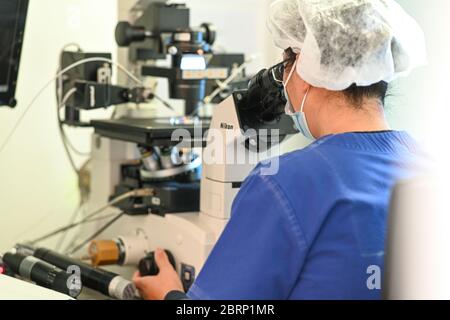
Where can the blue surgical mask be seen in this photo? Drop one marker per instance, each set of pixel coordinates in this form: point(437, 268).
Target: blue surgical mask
point(299, 118)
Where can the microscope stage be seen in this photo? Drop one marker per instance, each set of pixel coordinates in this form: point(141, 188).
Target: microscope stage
point(152, 132)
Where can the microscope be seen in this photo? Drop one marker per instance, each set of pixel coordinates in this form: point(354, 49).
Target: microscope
point(195, 165)
point(191, 167)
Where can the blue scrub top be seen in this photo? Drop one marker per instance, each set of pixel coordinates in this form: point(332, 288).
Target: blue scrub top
point(316, 229)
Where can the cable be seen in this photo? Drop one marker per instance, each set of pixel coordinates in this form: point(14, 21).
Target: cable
point(63, 134)
point(131, 194)
point(134, 193)
point(60, 79)
point(222, 85)
point(72, 220)
point(67, 228)
point(68, 95)
point(96, 234)
point(164, 102)
point(72, 241)
point(67, 144)
point(73, 148)
point(59, 74)
point(66, 141)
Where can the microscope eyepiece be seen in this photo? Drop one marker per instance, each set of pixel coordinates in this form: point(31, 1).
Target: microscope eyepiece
point(268, 79)
point(265, 99)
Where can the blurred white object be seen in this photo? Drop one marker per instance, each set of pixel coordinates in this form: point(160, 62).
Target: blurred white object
point(418, 248)
point(345, 42)
point(14, 289)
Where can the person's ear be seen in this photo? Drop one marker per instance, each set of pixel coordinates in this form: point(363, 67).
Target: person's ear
point(301, 86)
point(297, 89)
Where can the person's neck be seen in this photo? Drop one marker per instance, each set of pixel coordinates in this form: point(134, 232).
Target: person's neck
point(347, 118)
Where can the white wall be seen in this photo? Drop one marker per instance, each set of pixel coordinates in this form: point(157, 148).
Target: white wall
point(421, 101)
point(241, 27)
point(38, 190)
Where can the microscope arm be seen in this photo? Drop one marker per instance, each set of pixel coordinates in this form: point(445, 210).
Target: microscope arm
point(91, 95)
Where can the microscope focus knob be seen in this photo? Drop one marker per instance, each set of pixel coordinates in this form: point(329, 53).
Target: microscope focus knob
point(210, 32)
point(148, 266)
point(127, 34)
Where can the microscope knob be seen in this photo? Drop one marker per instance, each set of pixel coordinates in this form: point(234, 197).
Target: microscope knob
point(210, 32)
point(127, 34)
point(104, 252)
point(148, 266)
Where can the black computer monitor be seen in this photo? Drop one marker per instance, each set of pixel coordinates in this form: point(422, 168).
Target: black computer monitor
point(13, 15)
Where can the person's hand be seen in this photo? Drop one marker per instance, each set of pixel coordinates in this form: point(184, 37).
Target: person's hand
point(157, 287)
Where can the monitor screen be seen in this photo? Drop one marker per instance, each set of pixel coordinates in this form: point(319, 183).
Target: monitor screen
point(12, 26)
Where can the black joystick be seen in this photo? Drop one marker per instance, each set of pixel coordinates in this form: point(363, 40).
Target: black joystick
point(148, 266)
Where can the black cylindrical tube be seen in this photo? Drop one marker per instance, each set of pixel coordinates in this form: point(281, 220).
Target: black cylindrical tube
point(42, 273)
point(100, 280)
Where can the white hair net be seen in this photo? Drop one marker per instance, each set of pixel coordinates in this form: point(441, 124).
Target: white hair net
point(345, 42)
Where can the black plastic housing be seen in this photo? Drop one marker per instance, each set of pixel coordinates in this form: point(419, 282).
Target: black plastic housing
point(13, 14)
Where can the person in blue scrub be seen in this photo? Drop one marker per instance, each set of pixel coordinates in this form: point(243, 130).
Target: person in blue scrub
point(317, 228)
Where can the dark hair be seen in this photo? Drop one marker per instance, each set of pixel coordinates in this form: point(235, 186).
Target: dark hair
point(356, 94)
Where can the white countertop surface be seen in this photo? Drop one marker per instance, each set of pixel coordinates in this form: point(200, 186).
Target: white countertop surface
point(14, 289)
